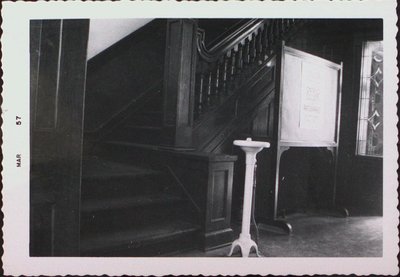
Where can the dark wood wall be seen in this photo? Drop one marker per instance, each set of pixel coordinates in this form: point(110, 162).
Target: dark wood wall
point(121, 73)
point(58, 70)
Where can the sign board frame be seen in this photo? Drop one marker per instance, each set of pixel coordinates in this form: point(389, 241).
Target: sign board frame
point(283, 100)
point(283, 145)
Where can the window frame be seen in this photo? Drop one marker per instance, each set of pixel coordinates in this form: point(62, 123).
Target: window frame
point(359, 100)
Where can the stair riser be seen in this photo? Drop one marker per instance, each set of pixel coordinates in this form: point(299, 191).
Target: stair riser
point(139, 136)
point(146, 120)
point(117, 187)
point(173, 244)
point(137, 217)
point(133, 155)
point(154, 105)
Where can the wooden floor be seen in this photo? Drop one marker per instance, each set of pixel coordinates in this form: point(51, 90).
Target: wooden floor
point(316, 236)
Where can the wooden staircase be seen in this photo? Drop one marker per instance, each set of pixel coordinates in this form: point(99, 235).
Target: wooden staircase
point(131, 210)
point(143, 125)
point(141, 199)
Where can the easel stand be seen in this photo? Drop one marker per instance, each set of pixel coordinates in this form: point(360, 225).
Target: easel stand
point(244, 242)
point(331, 210)
point(307, 112)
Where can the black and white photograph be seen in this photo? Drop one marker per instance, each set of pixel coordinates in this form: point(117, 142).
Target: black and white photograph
point(224, 139)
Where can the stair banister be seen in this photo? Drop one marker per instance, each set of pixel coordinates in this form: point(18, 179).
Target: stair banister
point(228, 43)
point(226, 65)
point(218, 66)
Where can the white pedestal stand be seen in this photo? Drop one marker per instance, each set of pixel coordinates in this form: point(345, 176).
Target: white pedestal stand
point(244, 241)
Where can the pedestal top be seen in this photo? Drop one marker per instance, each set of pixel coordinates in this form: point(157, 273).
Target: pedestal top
point(251, 143)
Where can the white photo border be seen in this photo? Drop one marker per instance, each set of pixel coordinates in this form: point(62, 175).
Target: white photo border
point(15, 192)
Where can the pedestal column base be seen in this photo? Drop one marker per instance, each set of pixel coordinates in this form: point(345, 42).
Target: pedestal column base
point(245, 243)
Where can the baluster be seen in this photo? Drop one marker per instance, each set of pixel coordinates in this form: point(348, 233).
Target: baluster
point(225, 74)
point(275, 28)
point(217, 81)
point(252, 48)
point(265, 39)
point(209, 100)
point(295, 22)
point(287, 25)
point(246, 54)
point(276, 32)
point(279, 29)
point(271, 36)
point(239, 58)
point(283, 28)
point(259, 46)
point(200, 94)
point(232, 69)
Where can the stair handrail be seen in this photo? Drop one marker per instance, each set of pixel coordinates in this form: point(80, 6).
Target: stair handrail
point(228, 42)
point(234, 57)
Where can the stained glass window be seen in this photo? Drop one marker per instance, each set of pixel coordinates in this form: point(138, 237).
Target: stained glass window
point(370, 117)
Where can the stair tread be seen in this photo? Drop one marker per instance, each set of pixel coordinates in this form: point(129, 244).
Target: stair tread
point(152, 234)
point(129, 201)
point(133, 144)
point(148, 113)
point(98, 168)
point(144, 127)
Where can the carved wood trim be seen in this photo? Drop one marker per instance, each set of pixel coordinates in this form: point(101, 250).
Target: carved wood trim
point(219, 49)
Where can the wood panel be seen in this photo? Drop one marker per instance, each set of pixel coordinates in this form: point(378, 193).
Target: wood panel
point(47, 90)
point(208, 178)
point(219, 191)
point(58, 85)
point(179, 82)
point(263, 122)
point(219, 196)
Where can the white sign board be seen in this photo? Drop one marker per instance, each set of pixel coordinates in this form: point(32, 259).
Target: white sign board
point(309, 99)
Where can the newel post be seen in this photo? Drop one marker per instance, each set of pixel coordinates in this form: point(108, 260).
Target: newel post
point(179, 83)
